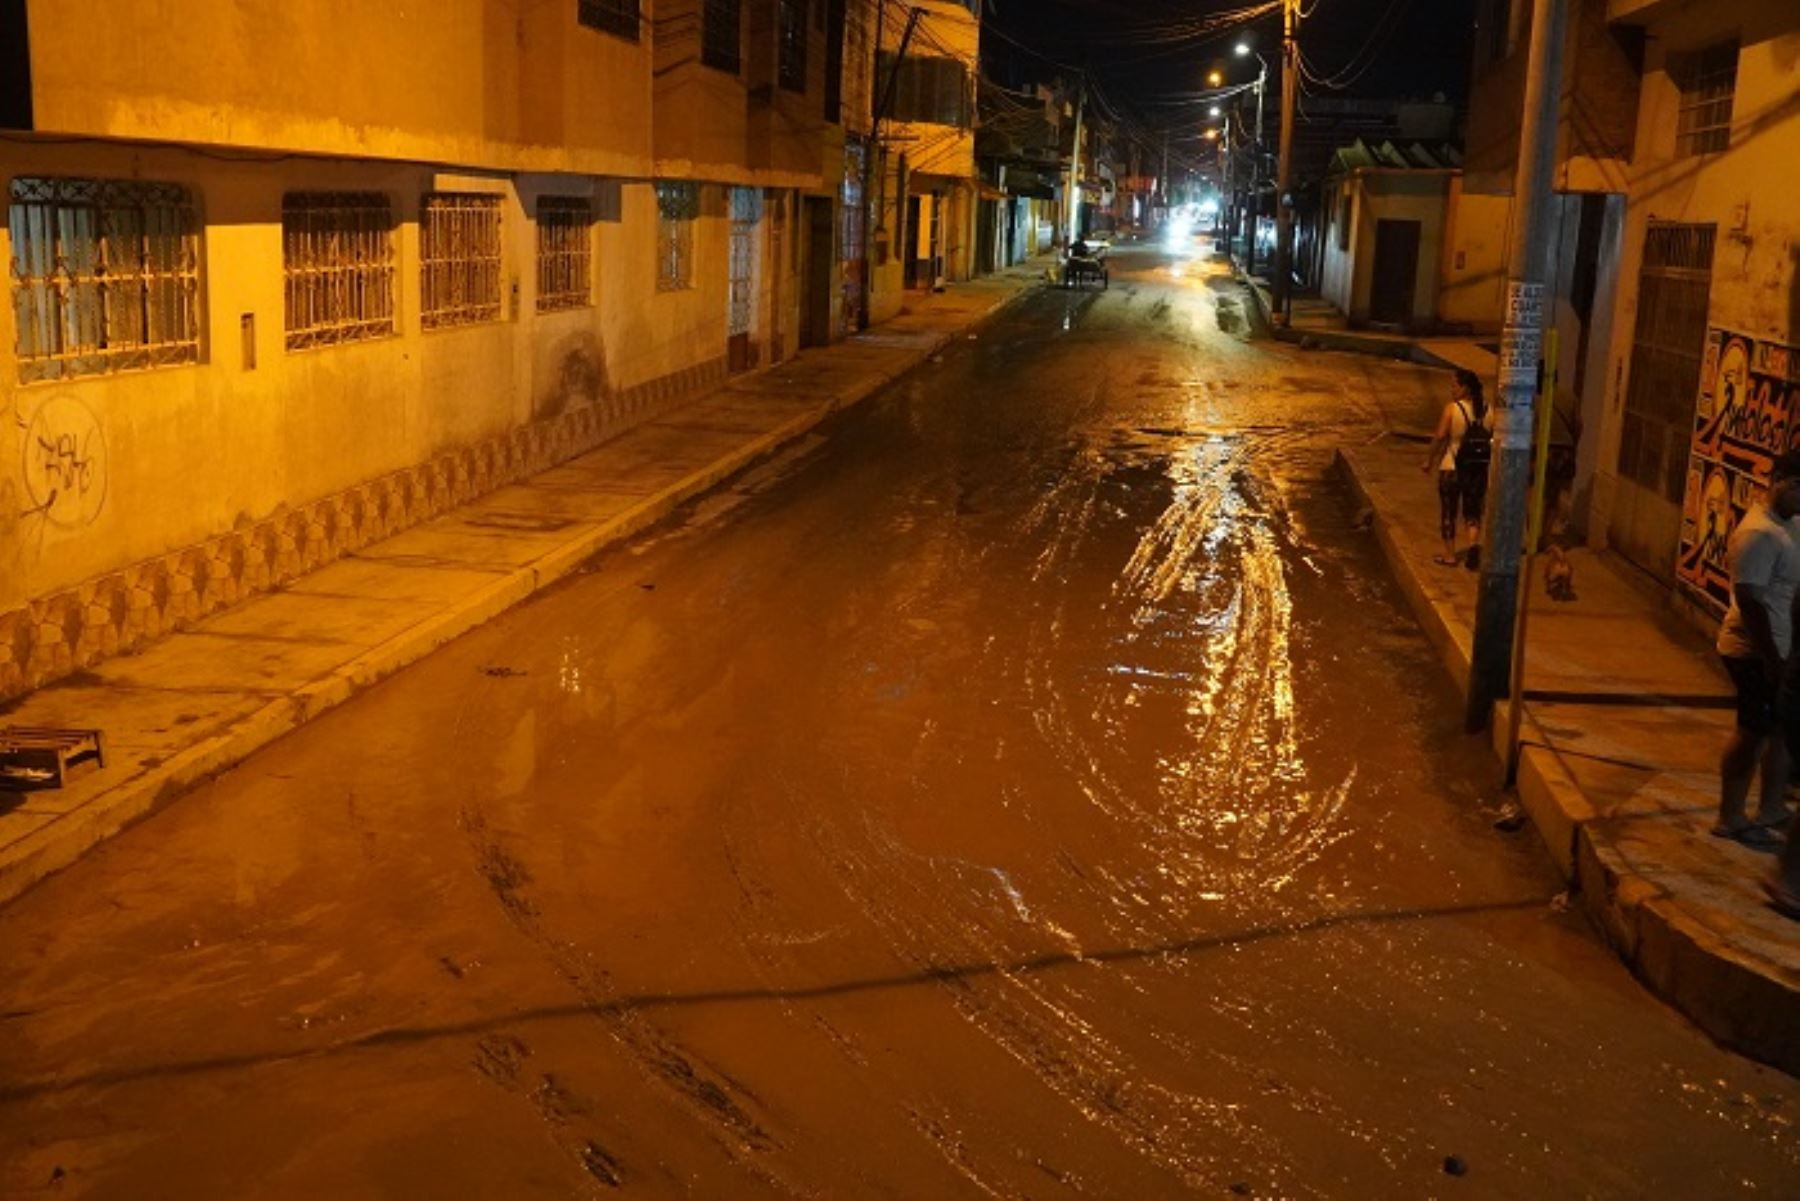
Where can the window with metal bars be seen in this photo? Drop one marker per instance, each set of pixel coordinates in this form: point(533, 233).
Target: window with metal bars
point(105, 276)
point(791, 33)
point(565, 253)
point(721, 34)
point(677, 207)
point(459, 259)
point(1708, 82)
point(620, 17)
point(337, 257)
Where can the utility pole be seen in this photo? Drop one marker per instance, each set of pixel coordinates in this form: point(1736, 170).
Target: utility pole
point(1165, 174)
point(1284, 209)
point(1074, 230)
point(1521, 361)
point(874, 158)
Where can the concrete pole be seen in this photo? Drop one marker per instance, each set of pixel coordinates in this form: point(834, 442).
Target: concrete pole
point(1074, 230)
point(1284, 182)
point(1164, 183)
point(1521, 359)
point(1254, 208)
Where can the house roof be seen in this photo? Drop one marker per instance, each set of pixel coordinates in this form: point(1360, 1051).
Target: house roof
point(1362, 155)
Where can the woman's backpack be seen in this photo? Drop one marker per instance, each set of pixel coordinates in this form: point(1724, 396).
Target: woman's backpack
point(1476, 446)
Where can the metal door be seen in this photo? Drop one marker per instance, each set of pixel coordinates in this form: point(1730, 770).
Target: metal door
point(1667, 344)
point(1396, 272)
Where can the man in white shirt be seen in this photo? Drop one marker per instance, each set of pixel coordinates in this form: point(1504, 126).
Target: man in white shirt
point(1755, 641)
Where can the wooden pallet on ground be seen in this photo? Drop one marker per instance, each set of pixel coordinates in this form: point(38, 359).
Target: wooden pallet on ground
point(39, 757)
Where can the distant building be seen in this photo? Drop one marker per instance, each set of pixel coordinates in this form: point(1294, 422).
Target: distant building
point(925, 206)
point(1384, 213)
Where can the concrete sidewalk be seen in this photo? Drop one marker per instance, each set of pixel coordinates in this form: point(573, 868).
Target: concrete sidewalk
point(1315, 324)
point(199, 701)
point(1626, 711)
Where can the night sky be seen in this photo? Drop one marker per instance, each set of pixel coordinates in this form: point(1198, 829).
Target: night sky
point(1400, 49)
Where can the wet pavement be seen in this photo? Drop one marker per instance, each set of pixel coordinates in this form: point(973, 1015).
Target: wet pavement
point(1029, 787)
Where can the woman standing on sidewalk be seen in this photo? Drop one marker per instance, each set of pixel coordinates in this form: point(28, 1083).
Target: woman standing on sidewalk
point(1460, 451)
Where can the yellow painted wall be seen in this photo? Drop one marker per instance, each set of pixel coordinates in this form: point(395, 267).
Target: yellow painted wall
point(1474, 266)
point(192, 451)
point(1747, 191)
point(521, 86)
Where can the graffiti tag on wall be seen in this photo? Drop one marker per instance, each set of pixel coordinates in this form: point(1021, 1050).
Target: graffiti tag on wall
point(64, 468)
point(1745, 415)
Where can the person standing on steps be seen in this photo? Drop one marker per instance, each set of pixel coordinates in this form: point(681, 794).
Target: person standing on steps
point(1460, 452)
point(1754, 642)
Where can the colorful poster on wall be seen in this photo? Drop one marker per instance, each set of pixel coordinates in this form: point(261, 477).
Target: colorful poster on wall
point(1745, 415)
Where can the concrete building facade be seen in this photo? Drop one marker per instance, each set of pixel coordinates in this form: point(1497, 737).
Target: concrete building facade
point(1699, 387)
point(286, 278)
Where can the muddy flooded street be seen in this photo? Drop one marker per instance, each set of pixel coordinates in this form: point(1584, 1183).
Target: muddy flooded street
point(1030, 786)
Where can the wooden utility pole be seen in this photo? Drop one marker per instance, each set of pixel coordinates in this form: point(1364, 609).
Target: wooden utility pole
point(1521, 362)
point(1284, 172)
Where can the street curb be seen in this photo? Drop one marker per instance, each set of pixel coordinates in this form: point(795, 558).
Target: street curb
point(1746, 1003)
point(1383, 348)
point(65, 840)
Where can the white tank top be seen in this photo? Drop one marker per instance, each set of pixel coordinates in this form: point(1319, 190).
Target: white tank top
point(1459, 422)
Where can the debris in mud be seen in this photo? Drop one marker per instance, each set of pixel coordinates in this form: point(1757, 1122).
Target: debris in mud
point(1560, 902)
point(1510, 819)
point(1365, 517)
point(601, 1165)
point(500, 1056)
point(1454, 1166)
point(502, 673)
point(556, 1102)
point(648, 587)
point(1240, 1189)
point(56, 1176)
point(450, 965)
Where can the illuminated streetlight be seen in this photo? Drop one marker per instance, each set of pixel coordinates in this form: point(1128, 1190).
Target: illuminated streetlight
point(1243, 49)
point(1212, 135)
point(1215, 78)
point(1213, 111)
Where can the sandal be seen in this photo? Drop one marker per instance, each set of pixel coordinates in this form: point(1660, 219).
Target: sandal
point(1777, 821)
point(1757, 838)
point(1784, 901)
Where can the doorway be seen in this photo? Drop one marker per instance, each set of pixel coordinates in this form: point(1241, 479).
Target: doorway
point(909, 241)
point(815, 281)
point(1396, 273)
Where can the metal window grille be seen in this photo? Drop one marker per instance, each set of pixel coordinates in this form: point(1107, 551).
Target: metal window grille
point(721, 39)
point(565, 253)
point(677, 205)
point(1708, 81)
point(746, 215)
point(619, 17)
point(1668, 343)
point(105, 276)
point(337, 253)
point(791, 30)
point(459, 259)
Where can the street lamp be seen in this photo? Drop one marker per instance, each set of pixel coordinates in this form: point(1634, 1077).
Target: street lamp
point(1215, 79)
point(1213, 111)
